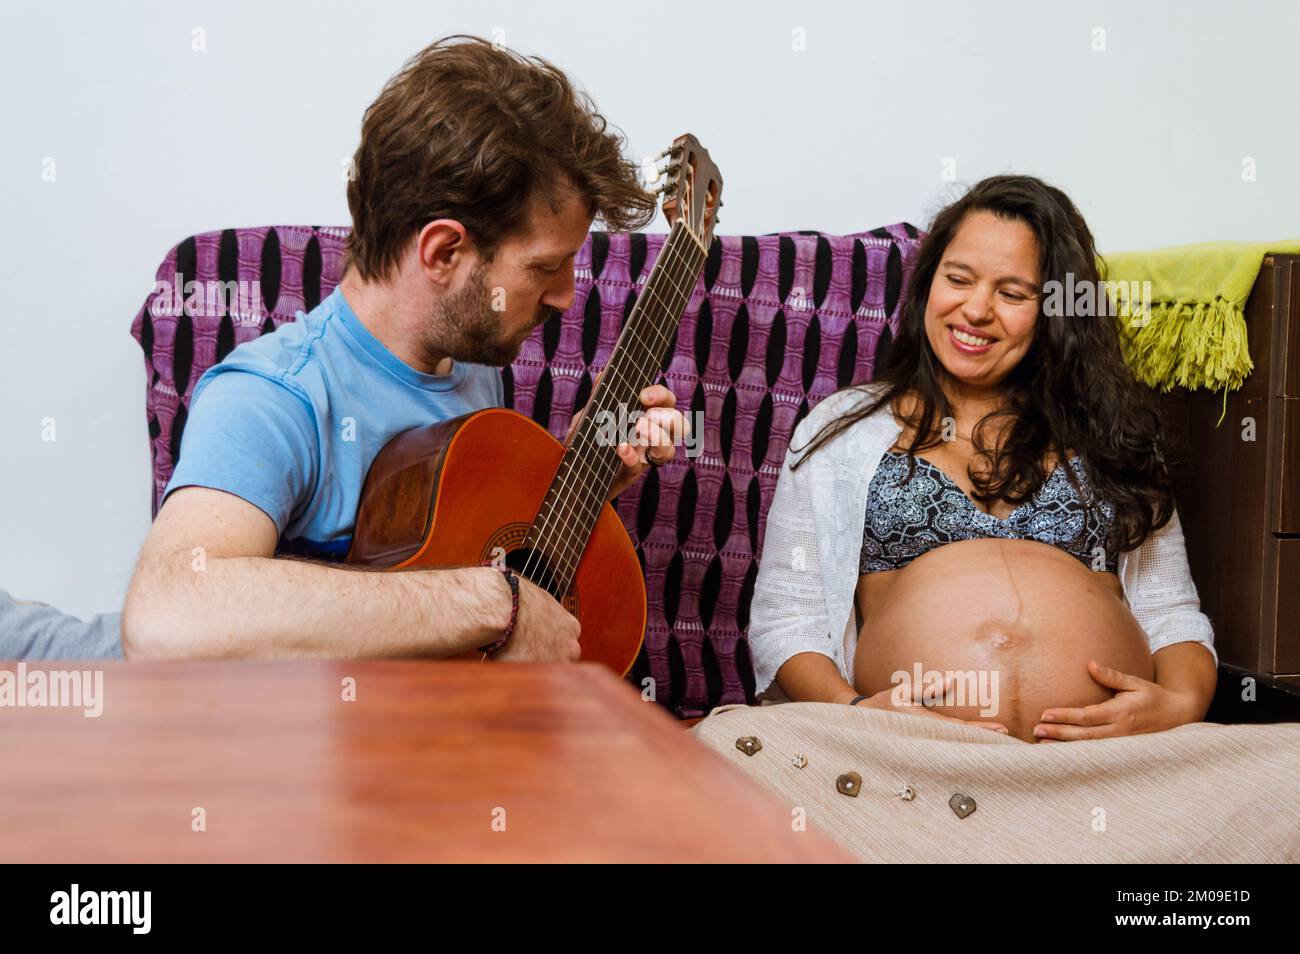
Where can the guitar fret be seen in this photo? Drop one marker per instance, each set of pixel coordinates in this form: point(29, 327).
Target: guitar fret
point(564, 523)
point(573, 529)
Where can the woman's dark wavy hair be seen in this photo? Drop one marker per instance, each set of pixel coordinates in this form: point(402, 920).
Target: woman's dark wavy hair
point(1072, 389)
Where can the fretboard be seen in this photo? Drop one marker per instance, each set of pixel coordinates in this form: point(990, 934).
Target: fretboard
point(582, 483)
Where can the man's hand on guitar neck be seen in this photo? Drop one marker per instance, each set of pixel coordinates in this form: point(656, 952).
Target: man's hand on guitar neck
point(659, 431)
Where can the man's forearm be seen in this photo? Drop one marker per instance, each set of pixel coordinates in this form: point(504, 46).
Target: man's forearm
point(261, 607)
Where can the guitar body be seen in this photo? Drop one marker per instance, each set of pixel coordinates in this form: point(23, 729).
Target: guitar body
point(467, 490)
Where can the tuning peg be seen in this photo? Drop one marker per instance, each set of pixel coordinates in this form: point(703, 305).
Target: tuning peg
point(652, 174)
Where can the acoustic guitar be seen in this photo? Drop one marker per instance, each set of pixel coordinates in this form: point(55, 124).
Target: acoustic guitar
point(495, 486)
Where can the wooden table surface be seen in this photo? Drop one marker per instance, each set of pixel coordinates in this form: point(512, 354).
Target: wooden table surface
point(417, 768)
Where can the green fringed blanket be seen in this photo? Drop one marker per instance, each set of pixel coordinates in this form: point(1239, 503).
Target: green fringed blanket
point(1192, 333)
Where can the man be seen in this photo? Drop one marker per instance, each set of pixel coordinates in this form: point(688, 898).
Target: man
point(478, 176)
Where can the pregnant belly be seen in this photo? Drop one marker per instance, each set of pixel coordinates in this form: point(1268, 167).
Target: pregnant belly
point(1015, 621)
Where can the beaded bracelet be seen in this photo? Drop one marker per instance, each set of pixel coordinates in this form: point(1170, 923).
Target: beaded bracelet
point(513, 579)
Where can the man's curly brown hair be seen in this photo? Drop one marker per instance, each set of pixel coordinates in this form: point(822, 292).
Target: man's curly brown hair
point(470, 131)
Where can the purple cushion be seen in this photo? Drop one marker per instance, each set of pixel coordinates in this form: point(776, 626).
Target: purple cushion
point(776, 323)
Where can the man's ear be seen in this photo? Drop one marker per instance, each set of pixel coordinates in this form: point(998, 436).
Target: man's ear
point(443, 247)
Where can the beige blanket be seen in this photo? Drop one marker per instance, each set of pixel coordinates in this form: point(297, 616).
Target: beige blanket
point(1197, 793)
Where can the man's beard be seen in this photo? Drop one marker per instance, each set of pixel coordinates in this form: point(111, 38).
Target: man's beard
point(469, 330)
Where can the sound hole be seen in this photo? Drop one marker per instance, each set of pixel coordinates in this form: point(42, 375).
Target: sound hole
point(504, 546)
point(538, 570)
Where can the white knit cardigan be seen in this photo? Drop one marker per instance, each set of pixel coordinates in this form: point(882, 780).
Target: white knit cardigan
point(803, 596)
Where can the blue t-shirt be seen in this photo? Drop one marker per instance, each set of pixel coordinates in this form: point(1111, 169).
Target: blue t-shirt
point(291, 421)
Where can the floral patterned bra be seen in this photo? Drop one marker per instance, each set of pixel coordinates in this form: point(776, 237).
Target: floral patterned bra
point(908, 518)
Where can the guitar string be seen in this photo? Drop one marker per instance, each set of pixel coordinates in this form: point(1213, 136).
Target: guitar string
point(562, 548)
point(592, 472)
point(575, 460)
point(584, 508)
point(566, 550)
point(606, 467)
point(587, 466)
point(568, 553)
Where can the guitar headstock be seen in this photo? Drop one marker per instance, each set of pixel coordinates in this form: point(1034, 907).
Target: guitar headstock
point(691, 186)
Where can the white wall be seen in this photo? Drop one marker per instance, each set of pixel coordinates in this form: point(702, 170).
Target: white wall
point(153, 142)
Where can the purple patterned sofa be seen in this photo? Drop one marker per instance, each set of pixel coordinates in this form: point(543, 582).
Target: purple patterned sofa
point(776, 323)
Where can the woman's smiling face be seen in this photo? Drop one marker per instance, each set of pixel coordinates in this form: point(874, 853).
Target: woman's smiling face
point(983, 302)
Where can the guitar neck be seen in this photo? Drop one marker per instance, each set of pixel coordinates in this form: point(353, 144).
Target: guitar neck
point(586, 474)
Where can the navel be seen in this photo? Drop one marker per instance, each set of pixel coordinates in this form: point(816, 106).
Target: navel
point(998, 634)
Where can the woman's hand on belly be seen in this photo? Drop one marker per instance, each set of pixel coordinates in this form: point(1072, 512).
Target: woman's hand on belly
point(1138, 706)
point(1016, 620)
point(900, 699)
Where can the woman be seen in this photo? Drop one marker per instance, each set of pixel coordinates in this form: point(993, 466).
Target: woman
point(994, 509)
